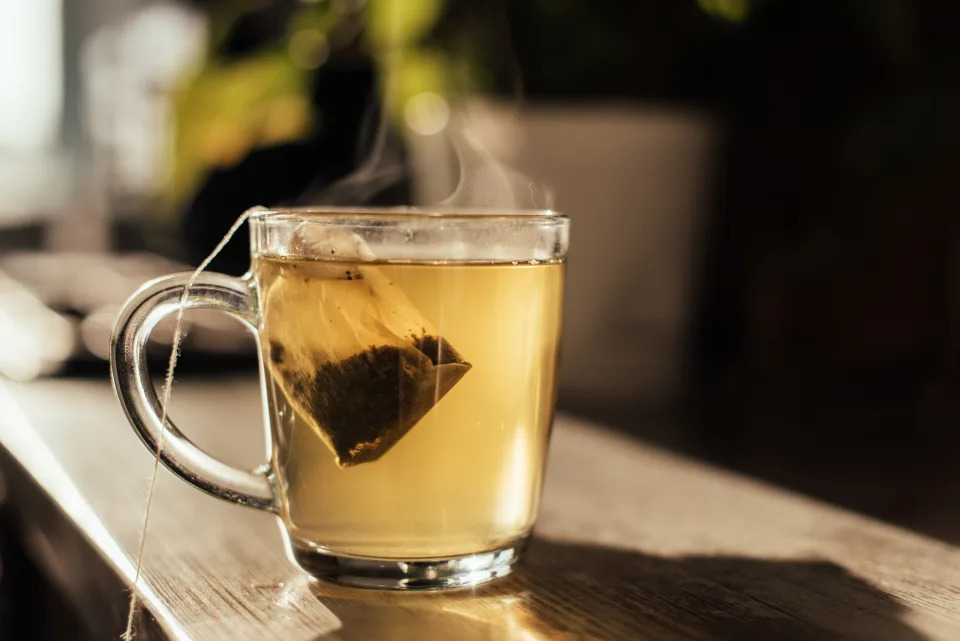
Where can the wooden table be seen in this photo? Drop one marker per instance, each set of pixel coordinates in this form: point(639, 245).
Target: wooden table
point(633, 543)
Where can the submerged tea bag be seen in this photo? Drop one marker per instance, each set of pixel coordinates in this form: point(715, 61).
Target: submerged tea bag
point(350, 351)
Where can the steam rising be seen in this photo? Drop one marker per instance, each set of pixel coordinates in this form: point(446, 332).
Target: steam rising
point(454, 153)
point(382, 168)
point(451, 149)
point(479, 136)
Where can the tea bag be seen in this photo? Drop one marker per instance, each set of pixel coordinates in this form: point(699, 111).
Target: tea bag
point(355, 357)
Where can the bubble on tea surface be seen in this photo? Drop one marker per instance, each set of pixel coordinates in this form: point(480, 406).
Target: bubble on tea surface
point(357, 360)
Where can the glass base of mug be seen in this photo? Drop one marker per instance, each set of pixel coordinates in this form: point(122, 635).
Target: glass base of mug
point(418, 574)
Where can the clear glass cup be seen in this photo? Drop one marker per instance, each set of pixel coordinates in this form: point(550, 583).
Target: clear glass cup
point(408, 368)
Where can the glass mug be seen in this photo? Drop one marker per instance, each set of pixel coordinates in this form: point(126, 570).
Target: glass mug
point(408, 366)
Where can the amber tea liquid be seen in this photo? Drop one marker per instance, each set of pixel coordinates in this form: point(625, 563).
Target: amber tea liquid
point(466, 477)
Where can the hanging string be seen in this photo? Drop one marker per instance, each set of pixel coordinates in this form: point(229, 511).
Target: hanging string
point(165, 402)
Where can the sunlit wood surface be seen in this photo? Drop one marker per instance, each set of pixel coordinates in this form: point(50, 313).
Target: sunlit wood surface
point(633, 543)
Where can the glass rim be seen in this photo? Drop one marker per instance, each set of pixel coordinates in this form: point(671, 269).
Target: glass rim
point(336, 214)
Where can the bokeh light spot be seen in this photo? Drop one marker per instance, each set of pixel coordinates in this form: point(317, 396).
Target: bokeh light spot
point(427, 113)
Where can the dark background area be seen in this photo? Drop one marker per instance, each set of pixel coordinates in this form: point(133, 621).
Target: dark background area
point(823, 352)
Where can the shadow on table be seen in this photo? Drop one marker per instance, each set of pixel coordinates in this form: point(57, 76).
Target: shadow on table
point(574, 591)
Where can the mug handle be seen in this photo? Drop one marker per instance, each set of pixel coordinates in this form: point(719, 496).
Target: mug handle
point(155, 301)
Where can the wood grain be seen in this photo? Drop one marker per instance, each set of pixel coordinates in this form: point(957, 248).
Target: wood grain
point(632, 543)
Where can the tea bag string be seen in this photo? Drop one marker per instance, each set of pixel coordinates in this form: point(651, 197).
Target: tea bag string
point(165, 401)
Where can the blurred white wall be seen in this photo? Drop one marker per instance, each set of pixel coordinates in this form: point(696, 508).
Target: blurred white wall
point(31, 106)
point(635, 183)
point(31, 66)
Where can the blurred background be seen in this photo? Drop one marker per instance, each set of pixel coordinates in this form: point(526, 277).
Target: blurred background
point(765, 268)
